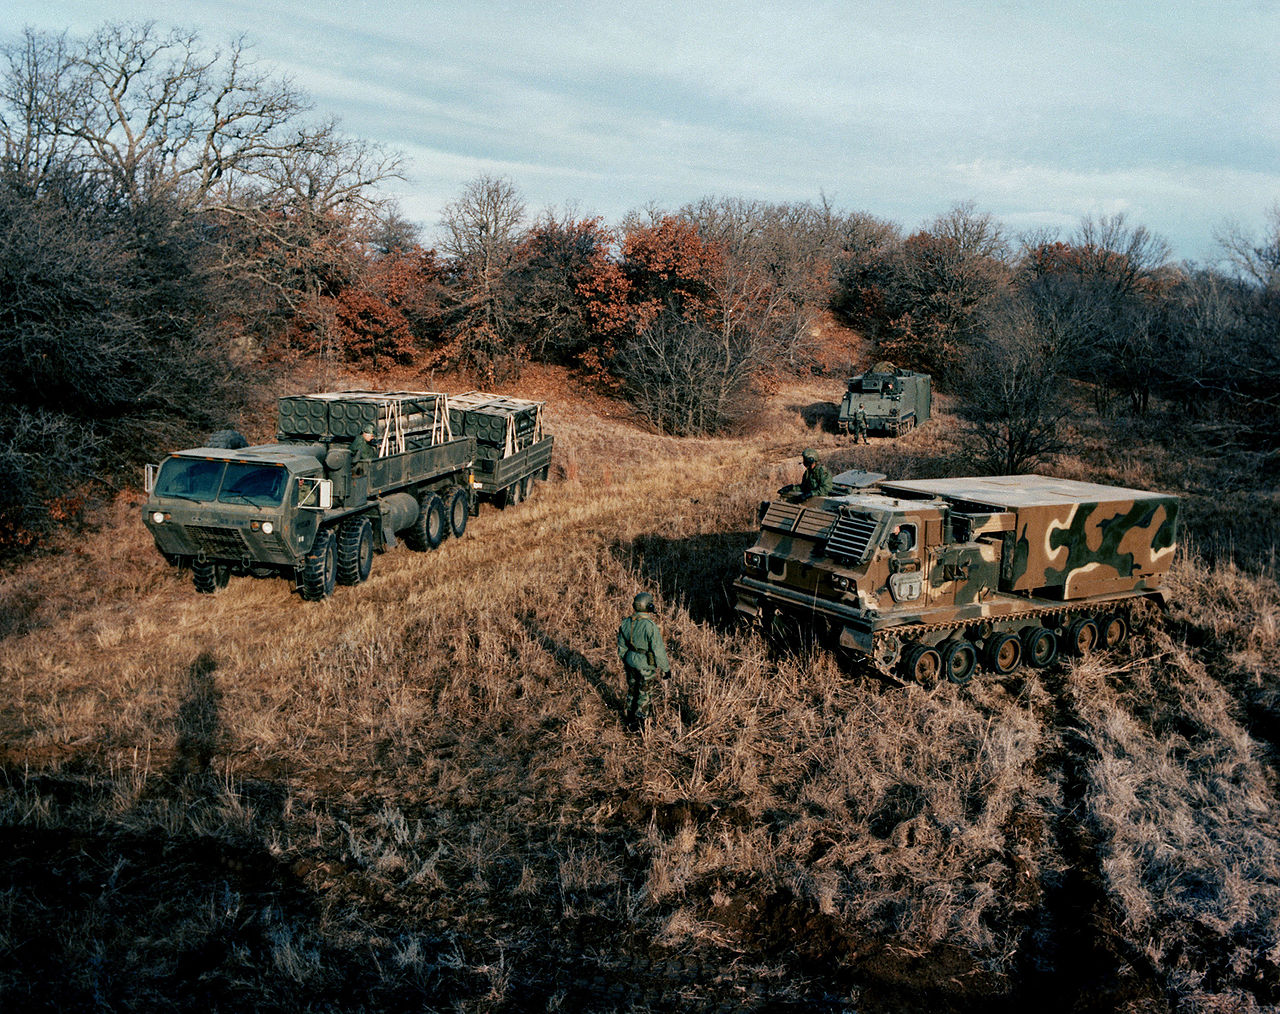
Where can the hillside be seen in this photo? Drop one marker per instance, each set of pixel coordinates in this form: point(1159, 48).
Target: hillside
point(419, 792)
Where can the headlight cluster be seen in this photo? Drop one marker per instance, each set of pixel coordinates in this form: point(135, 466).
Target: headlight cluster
point(843, 583)
point(266, 527)
point(160, 517)
point(756, 561)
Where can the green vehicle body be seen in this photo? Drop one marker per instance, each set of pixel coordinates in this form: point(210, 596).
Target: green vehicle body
point(925, 579)
point(304, 507)
point(512, 449)
point(894, 400)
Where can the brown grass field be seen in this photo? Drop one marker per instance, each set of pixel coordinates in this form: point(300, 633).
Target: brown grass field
point(418, 794)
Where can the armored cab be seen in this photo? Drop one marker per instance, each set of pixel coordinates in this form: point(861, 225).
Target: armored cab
point(512, 451)
point(894, 400)
point(931, 577)
point(316, 505)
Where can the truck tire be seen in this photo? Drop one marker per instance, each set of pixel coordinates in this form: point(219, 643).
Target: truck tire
point(431, 527)
point(1082, 636)
point(208, 576)
point(1003, 653)
point(1113, 630)
point(510, 496)
point(229, 440)
point(526, 487)
point(959, 659)
point(355, 551)
point(922, 665)
point(320, 567)
point(1039, 646)
point(457, 507)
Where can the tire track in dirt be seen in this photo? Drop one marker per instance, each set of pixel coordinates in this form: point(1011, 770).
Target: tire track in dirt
point(1078, 960)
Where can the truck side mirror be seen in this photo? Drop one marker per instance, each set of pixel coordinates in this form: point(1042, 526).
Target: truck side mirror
point(314, 494)
point(149, 473)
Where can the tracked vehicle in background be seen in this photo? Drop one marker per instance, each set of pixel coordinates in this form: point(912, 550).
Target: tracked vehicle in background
point(304, 507)
point(930, 578)
point(894, 400)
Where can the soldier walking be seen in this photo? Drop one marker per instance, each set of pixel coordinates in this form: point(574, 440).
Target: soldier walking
point(643, 655)
point(860, 425)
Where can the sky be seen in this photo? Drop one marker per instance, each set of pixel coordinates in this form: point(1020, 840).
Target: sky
point(1038, 112)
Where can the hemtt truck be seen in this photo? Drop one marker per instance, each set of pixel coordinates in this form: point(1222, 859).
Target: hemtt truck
point(511, 448)
point(894, 400)
point(307, 507)
point(929, 578)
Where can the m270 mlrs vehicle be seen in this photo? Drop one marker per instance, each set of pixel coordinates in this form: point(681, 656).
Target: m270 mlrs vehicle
point(893, 400)
point(319, 503)
point(927, 578)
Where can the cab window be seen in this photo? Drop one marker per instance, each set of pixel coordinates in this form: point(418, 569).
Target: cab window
point(189, 479)
point(902, 538)
point(259, 485)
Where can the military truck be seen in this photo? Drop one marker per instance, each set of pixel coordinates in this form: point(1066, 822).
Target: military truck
point(512, 451)
point(894, 400)
point(929, 578)
point(306, 506)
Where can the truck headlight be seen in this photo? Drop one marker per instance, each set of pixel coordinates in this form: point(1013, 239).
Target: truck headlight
point(841, 582)
point(158, 517)
point(267, 528)
point(754, 560)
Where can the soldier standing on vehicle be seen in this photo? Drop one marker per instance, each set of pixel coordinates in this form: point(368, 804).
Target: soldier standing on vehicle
point(643, 655)
point(860, 425)
point(362, 446)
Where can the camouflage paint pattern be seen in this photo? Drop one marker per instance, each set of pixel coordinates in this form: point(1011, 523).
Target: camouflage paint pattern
point(968, 550)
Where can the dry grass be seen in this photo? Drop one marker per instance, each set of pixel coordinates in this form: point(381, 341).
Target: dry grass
point(420, 789)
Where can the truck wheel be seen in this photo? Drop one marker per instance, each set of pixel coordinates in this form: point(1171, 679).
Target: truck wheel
point(959, 659)
point(355, 550)
point(1039, 646)
point(923, 665)
point(429, 530)
point(1003, 653)
point(510, 496)
point(457, 507)
point(208, 577)
point(1113, 630)
point(320, 567)
point(526, 487)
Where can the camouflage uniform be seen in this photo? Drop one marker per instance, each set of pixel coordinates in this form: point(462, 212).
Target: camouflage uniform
point(643, 655)
point(860, 425)
point(362, 449)
point(816, 480)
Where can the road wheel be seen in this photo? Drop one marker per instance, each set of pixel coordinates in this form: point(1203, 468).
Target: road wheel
point(959, 659)
point(923, 665)
point(1113, 630)
point(320, 567)
point(1039, 646)
point(1003, 653)
point(430, 528)
point(355, 550)
point(1082, 636)
point(458, 507)
point(208, 576)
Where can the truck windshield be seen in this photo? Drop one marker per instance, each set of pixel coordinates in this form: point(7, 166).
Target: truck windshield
point(228, 482)
point(189, 478)
point(259, 485)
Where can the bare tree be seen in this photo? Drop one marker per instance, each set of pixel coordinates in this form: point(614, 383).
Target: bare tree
point(1256, 258)
point(1014, 405)
point(974, 232)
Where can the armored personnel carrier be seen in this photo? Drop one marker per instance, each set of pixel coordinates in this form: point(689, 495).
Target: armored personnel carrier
point(894, 400)
point(512, 451)
point(931, 578)
point(316, 505)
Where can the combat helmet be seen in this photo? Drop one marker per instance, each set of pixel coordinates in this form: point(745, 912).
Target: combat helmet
point(642, 603)
point(808, 454)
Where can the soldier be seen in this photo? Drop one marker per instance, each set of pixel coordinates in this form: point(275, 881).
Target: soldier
point(816, 480)
point(362, 446)
point(860, 425)
point(643, 655)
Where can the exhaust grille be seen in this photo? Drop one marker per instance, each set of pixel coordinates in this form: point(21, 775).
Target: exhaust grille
point(851, 536)
point(796, 520)
point(219, 543)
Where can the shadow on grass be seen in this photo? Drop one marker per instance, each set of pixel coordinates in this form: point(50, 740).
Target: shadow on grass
point(695, 571)
point(819, 415)
point(598, 676)
point(199, 721)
